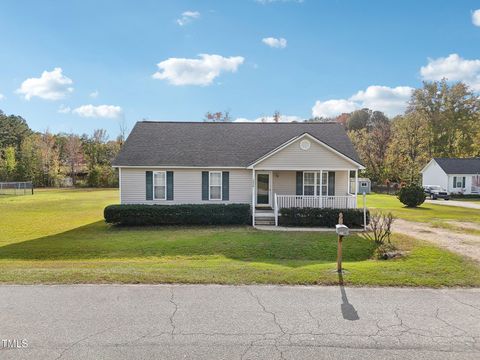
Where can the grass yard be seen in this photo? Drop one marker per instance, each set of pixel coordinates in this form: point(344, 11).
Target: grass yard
point(59, 236)
point(429, 213)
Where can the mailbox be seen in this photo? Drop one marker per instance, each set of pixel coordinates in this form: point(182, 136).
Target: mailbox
point(342, 230)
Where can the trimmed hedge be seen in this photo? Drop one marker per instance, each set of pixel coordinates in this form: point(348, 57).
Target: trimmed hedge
point(196, 214)
point(353, 218)
point(464, 196)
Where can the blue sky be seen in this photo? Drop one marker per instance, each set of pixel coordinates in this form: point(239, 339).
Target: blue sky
point(99, 58)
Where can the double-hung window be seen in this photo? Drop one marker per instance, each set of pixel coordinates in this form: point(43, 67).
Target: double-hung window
point(325, 183)
point(160, 185)
point(215, 184)
point(459, 181)
point(311, 183)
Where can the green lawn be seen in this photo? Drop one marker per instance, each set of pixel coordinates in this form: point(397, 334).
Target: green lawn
point(427, 212)
point(58, 236)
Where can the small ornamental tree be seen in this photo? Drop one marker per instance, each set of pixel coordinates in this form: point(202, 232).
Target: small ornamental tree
point(411, 195)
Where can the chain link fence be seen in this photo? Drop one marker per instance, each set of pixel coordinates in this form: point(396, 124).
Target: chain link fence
point(16, 188)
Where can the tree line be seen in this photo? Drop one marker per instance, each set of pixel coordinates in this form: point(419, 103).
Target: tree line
point(441, 120)
point(56, 159)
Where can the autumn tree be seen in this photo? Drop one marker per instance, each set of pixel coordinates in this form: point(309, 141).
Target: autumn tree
point(408, 152)
point(217, 116)
point(451, 113)
point(370, 134)
point(74, 155)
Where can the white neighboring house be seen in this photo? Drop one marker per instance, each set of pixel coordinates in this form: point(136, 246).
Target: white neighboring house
point(457, 176)
point(267, 165)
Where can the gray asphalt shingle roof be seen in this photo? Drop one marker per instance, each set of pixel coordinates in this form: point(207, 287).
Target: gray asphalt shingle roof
point(219, 144)
point(459, 166)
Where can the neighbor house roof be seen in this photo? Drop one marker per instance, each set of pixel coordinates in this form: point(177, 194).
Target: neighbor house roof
point(459, 166)
point(156, 143)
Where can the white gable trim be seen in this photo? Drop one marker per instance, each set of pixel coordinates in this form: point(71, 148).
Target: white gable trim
point(292, 140)
point(430, 163)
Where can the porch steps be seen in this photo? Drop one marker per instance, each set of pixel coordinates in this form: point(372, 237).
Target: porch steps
point(264, 217)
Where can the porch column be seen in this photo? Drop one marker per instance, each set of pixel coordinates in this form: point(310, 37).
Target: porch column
point(356, 186)
point(253, 197)
point(321, 189)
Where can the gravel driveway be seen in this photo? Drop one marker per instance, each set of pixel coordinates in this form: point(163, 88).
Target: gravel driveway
point(465, 204)
point(465, 244)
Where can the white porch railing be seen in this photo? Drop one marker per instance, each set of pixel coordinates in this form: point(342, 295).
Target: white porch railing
point(300, 201)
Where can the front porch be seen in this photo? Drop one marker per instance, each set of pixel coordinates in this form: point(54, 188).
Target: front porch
point(277, 189)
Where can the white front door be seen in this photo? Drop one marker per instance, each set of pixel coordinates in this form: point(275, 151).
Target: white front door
point(264, 188)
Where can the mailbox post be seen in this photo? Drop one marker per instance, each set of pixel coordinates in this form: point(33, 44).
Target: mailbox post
point(342, 231)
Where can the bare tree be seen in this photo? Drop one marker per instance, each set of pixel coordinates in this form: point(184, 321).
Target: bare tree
point(74, 155)
point(123, 131)
point(276, 116)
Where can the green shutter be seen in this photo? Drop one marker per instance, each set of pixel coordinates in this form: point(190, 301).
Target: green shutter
point(454, 181)
point(225, 185)
point(149, 185)
point(463, 182)
point(204, 185)
point(299, 183)
point(331, 183)
point(169, 185)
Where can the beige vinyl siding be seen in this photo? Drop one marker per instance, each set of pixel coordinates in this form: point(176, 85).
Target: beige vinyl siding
point(187, 186)
point(317, 157)
point(284, 182)
point(341, 183)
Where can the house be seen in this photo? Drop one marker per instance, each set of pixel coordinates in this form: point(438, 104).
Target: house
point(268, 165)
point(461, 176)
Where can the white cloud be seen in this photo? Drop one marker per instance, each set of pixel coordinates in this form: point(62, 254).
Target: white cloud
point(100, 111)
point(283, 118)
point(2, 97)
point(188, 17)
point(94, 94)
point(453, 68)
point(51, 85)
point(334, 107)
point(64, 109)
point(392, 101)
point(280, 43)
point(476, 17)
point(180, 71)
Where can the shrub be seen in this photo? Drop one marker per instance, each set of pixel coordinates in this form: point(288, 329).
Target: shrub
point(380, 227)
point(197, 214)
point(411, 195)
point(464, 196)
point(321, 217)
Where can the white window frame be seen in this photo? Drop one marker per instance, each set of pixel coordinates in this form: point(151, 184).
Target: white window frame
point(164, 184)
point(363, 184)
point(314, 183)
point(459, 180)
point(316, 179)
point(210, 186)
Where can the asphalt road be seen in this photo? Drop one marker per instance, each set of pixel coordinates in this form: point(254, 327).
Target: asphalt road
point(238, 322)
